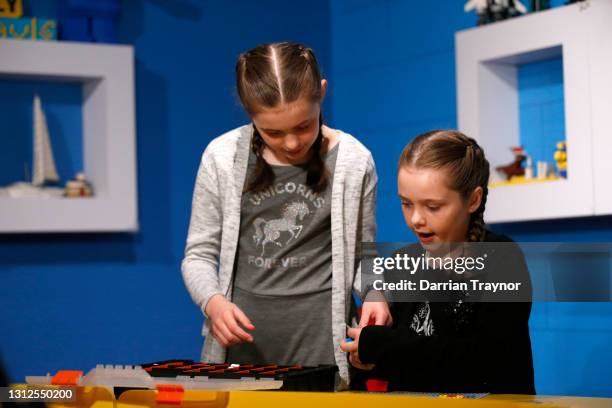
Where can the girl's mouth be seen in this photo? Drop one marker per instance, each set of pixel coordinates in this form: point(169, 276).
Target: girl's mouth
point(425, 237)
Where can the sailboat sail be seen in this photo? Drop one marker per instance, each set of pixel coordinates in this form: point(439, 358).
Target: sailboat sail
point(44, 165)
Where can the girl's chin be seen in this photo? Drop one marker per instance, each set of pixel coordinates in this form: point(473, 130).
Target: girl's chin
point(433, 245)
point(297, 158)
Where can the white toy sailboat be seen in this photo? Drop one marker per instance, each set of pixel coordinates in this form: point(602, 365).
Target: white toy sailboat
point(43, 163)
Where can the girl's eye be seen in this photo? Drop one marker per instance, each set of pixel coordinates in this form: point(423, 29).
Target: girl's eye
point(433, 208)
point(273, 134)
point(406, 204)
point(304, 127)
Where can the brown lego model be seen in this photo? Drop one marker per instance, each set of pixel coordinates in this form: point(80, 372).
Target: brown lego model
point(516, 167)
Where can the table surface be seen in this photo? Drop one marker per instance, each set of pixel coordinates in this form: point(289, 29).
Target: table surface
point(273, 399)
point(100, 397)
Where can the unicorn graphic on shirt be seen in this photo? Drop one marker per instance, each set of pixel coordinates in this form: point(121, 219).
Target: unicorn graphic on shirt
point(270, 231)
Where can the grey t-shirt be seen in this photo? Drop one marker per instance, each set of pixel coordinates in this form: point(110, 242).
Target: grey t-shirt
point(283, 270)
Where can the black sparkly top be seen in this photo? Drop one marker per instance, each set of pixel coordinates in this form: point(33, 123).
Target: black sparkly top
point(460, 347)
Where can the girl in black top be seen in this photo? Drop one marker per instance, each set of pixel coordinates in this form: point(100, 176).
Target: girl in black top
point(453, 346)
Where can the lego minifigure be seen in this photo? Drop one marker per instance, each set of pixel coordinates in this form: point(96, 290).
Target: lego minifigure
point(560, 157)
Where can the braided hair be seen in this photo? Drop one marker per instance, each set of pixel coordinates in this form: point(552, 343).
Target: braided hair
point(272, 74)
point(465, 162)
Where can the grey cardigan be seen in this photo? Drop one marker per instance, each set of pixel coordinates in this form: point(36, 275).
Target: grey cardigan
point(215, 224)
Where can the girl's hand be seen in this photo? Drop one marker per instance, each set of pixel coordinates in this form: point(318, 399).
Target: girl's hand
point(375, 311)
point(352, 348)
point(228, 321)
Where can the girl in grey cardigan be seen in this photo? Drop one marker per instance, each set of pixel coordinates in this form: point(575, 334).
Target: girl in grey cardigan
point(279, 211)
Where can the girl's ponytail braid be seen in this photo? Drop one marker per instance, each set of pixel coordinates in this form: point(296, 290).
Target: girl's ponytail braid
point(477, 226)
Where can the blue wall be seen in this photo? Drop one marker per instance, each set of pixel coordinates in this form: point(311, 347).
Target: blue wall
point(62, 106)
point(542, 119)
point(404, 51)
point(72, 301)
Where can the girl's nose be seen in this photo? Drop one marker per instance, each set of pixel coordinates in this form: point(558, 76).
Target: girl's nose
point(292, 143)
point(416, 218)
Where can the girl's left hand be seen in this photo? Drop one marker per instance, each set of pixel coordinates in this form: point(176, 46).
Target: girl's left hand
point(353, 349)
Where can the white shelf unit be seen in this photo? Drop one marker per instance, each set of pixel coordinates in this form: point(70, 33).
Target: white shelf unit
point(487, 61)
point(106, 73)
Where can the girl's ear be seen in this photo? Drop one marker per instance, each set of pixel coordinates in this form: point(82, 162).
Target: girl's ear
point(475, 200)
point(323, 89)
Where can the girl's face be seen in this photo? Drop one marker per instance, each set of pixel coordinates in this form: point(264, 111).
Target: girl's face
point(289, 130)
point(433, 211)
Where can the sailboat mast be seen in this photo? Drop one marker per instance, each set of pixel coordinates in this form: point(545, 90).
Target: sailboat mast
point(43, 163)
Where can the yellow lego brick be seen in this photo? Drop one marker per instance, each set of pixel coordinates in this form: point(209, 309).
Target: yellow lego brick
point(11, 8)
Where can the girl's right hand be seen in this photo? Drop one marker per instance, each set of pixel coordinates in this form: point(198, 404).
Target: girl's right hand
point(375, 310)
point(228, 321)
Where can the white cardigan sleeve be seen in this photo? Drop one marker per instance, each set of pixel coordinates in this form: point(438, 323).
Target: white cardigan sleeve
point(201, 261)
point(366, 231)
